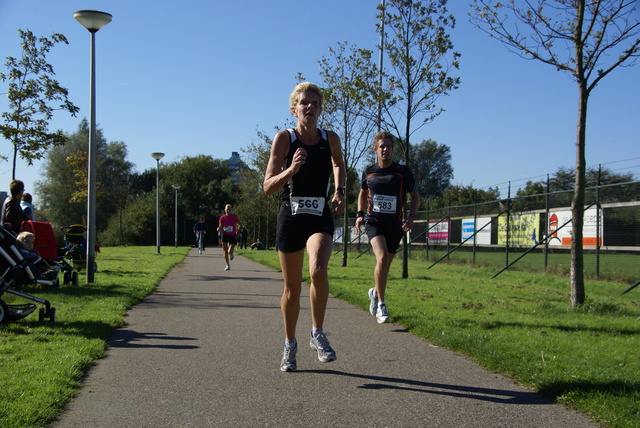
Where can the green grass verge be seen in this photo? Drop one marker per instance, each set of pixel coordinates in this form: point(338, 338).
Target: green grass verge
point(42, 364)
point(518, 324)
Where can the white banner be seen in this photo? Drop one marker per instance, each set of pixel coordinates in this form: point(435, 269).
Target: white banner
point(483, 237)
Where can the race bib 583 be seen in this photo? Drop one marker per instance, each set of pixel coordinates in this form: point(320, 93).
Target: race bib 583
point(384, 204)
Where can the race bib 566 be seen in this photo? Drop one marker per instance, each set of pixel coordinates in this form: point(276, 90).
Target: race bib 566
point(307, 205)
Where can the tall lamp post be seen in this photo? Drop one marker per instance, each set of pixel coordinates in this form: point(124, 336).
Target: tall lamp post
point(176, 186)
point(92, 20)
point(157, 157)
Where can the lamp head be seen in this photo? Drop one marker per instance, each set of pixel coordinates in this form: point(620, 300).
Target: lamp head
point(92, 20)
point(176, 186)
point(157, 156)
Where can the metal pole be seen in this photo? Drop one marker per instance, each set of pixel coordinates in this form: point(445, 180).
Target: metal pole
point(176, 186)
point(158, 204)
point(92, 20)
point(380, 59)
point(91, 189)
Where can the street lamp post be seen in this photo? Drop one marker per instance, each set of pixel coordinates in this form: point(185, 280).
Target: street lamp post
point(176, 186)
point(93, 21)
point(157, 157)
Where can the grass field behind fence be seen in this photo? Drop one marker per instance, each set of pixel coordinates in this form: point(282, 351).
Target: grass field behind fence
point(518, 324)
point(623, 267)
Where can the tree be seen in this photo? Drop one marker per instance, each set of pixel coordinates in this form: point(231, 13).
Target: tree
point(206, 183)
point(588, 39)
point(465, 195)
point(431, 166)
point(63, 187)
point(560, 186)
point(205, 187)
point(349, 80)
point(422, 58)
point(33, 94)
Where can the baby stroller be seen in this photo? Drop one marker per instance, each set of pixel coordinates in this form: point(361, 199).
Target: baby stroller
point(18, 268)
point(46, 245)
point(75, 249)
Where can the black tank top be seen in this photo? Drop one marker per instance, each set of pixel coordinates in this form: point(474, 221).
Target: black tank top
point(313, 177)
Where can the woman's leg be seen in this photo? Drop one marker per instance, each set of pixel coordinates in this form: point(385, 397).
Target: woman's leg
point(291, 265)
point(319, 247)
point(225, 248)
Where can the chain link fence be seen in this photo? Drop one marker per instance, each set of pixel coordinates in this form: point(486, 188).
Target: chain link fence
point(530, 233)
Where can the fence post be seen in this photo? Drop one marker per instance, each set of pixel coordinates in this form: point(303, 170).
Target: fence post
point(546, 242)
point(508, 231)
point(598, 222)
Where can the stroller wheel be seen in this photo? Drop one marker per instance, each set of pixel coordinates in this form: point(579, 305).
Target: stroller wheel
point(74, 278)
point(44, 314)
point(3, 311)
point(67, 278)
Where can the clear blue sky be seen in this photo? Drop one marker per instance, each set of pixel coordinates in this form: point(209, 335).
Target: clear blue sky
point(199, 77)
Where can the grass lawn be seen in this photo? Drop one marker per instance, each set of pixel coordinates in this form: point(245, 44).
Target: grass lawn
point(518, 324)
point(42, 364)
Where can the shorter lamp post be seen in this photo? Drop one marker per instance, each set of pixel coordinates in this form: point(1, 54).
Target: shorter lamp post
point(176, 186)
point(157, 157)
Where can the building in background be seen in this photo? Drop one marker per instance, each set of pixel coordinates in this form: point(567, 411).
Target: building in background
point(236, 165)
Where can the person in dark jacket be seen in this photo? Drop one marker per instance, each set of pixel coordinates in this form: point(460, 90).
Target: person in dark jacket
point(11, 210)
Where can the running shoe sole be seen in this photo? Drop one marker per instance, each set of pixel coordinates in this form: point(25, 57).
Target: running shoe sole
point(373, 306)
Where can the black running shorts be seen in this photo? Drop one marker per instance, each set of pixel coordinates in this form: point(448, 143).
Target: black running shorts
point(229, 239)
point(392, 234)
point(295, 230)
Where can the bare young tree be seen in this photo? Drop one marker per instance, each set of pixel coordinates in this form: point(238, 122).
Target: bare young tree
point(33, 94)
point(349, 85)
point(586, 38)
point(421, 62)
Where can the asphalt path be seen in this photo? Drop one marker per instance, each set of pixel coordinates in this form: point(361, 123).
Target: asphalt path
point(204, 351)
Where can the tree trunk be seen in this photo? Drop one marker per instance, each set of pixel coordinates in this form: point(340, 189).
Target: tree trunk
point(578, 201)
point(345, 226)
point(405, 244)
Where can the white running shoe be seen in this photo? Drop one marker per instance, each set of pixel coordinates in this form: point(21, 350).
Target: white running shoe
point(321, 345)
point(373, 307)
point(382, 316)
point(288, 363)
point(227, 268)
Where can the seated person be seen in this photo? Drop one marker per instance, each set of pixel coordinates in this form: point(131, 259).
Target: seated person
point(26, 241)
point(27, 209)
point(258, 245)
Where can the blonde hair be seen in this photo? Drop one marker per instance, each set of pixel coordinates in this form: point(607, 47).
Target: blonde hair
point(304, 87)
point(22, 237)
point(383, 135)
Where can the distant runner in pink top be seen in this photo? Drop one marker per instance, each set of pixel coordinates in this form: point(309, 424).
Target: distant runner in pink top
point(228, 225)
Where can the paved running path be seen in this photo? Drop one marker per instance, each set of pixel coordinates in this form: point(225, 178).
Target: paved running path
point(204, 351)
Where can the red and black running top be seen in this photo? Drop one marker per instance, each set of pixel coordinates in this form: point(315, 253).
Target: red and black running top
point(388, 189)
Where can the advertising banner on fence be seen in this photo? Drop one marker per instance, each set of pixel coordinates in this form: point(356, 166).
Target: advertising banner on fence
point(483, 237)
point(561, 236)
point(354, 237)
point(439, 232)
point(523, 229)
